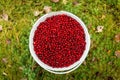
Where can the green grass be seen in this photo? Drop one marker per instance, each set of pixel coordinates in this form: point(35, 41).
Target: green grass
point(101, 62)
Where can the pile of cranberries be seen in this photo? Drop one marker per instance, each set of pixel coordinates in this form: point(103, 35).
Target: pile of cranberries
point(59, 41)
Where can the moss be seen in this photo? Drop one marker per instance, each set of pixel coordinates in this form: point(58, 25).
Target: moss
point(21, 19)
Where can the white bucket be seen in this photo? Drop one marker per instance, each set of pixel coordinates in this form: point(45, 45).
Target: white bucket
point(64, 69)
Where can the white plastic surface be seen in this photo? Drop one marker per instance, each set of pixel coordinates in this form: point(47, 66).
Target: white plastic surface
point(64, 69)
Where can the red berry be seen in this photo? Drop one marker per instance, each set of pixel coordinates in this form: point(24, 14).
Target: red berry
point(59, 41)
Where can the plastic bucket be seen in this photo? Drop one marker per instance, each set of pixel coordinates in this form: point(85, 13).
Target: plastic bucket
point(64, 69)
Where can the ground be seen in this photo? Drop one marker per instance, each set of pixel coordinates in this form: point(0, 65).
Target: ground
point(17, 18)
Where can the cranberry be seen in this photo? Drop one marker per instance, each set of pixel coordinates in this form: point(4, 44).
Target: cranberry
point(59, 41)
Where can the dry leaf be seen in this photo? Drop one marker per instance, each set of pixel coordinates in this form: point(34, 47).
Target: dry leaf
point(5, 17)
point(84, 62)
point(1, 28)
point(9, 28)
point(55, 1)
point(93, 59)
point(108, 51)
point(117, 37)
point(47, 9)
point(103, 16)
point(110, 63)
point(36, 13)
point(21, 68)
point(89, 26)
point(4, 60)
point(117, 53)
point(75, 3)
point(5, 74)
point(118, 24)
point(8, 41)
point(64, 1)
point(100, 28)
